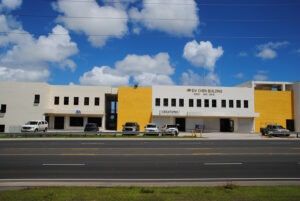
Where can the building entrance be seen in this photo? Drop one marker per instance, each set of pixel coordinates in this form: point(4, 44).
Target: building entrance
point(111, 111)
point(59, 122)
point(181, 123)
point(226, 125)
point(290, 124)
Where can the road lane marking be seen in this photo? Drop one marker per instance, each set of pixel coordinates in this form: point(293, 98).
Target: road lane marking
point(190, 154)
point(107, 148)
point(223, 163)
point(66, 164)
point(171, 179)
point(91, 143)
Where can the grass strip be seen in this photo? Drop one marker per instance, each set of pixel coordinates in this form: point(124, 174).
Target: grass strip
point(221, 193)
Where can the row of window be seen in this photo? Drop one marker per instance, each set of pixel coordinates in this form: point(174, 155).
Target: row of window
point(198, 103)
point(86, 101)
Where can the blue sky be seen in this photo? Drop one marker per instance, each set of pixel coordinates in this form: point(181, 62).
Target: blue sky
point(149, 42)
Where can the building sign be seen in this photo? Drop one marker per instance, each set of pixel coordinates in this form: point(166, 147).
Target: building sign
point(78, 112)
point(204, 92)
point(169, 112)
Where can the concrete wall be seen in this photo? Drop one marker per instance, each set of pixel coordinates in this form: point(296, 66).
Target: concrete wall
point(134, 105)
point(274, 107)
point(296, 99)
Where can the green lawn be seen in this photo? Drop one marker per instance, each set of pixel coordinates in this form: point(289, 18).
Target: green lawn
point(225, 193)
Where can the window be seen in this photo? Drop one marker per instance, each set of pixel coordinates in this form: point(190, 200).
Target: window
point(2, 128)
point(157, 102)
point(191, 103)
point(165, 102)
point(76, 121)
point(238, 103)
point(181, 102)
point(173, 102)
point(97, 101)
point(86, 101)
point(223, 103)
point(66, 100)
point(76, 100)
point(245, 104)
point(56, 100)
point(198, 102)
point(3, 108)
point(36, 98)
point(214, 103)
point(206, 103)
point(231, 103)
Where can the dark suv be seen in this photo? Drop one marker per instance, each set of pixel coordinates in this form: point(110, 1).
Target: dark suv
point(91, 127)
point(131, 126)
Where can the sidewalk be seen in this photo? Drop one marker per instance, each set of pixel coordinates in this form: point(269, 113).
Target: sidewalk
point(219, 135)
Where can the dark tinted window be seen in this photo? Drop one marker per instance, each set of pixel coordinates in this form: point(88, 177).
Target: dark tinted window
point(3, 108)
point(181, 102)
point(97, 101)
point(56, 100)
point(245, 104)
point(206, 103)
point(191, 102)
point(198, 102)
point(223, 103)
point(231, 103)
point(36, 98)
point(2, 128)
point(76, 121)
point(238, 103)
point(66, 100)
point(166, 102)
point(76, 100)
point(214, 103)
point(173, 102)
point(86, 101)
point(157, 102)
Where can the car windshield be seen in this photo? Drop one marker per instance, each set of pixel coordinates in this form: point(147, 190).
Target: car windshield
point(31, 123)
point(171, 126)
point(151, 126)
point(277, 127)
point(130, 124)
point(90, 125)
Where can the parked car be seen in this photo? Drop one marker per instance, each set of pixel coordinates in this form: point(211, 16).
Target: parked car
point(151, 128)
point(131, 126)
point(170, 128)
point(91, 127)
point(275, 130)
point(35, 126)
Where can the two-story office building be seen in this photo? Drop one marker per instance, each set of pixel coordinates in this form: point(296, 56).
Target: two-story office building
point(244, 108)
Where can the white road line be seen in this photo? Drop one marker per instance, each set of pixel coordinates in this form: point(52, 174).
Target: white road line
point(174, 179)
point(91, 143)
point(223, 163)
point(66, 164)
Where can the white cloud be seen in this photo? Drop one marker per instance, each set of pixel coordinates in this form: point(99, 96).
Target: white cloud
point(266, 51)
point(191, 78)
point(104, 76)
point(202, 54)
point(174, 17)
point(27, 59)
point(243, 54)
point(143, 69)
point(102, 22)
point(149, 79)
point(261, 75)
point(239, 75)
point(136, 64)
point(10, 4)
point(298, 50)
point(9, 74)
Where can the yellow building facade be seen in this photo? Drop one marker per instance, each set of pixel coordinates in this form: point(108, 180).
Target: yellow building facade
point(134, 105)
point(274, 107)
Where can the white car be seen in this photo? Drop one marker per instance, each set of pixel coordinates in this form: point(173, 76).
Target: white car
point(151, 128)
point(35, 126)
point(171, 128)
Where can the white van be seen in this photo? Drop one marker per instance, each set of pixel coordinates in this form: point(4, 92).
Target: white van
point(35, 126)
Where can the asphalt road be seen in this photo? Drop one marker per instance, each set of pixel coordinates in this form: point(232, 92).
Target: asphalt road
point(149, 160)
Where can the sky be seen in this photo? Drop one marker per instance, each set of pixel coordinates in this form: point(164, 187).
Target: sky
point(149, 42)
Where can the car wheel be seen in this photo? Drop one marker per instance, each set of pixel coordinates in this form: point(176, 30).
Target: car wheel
point(36, 130)
point(45, 130)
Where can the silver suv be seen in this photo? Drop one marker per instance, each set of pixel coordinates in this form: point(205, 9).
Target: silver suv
point(170, 128)
point(131, 126)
